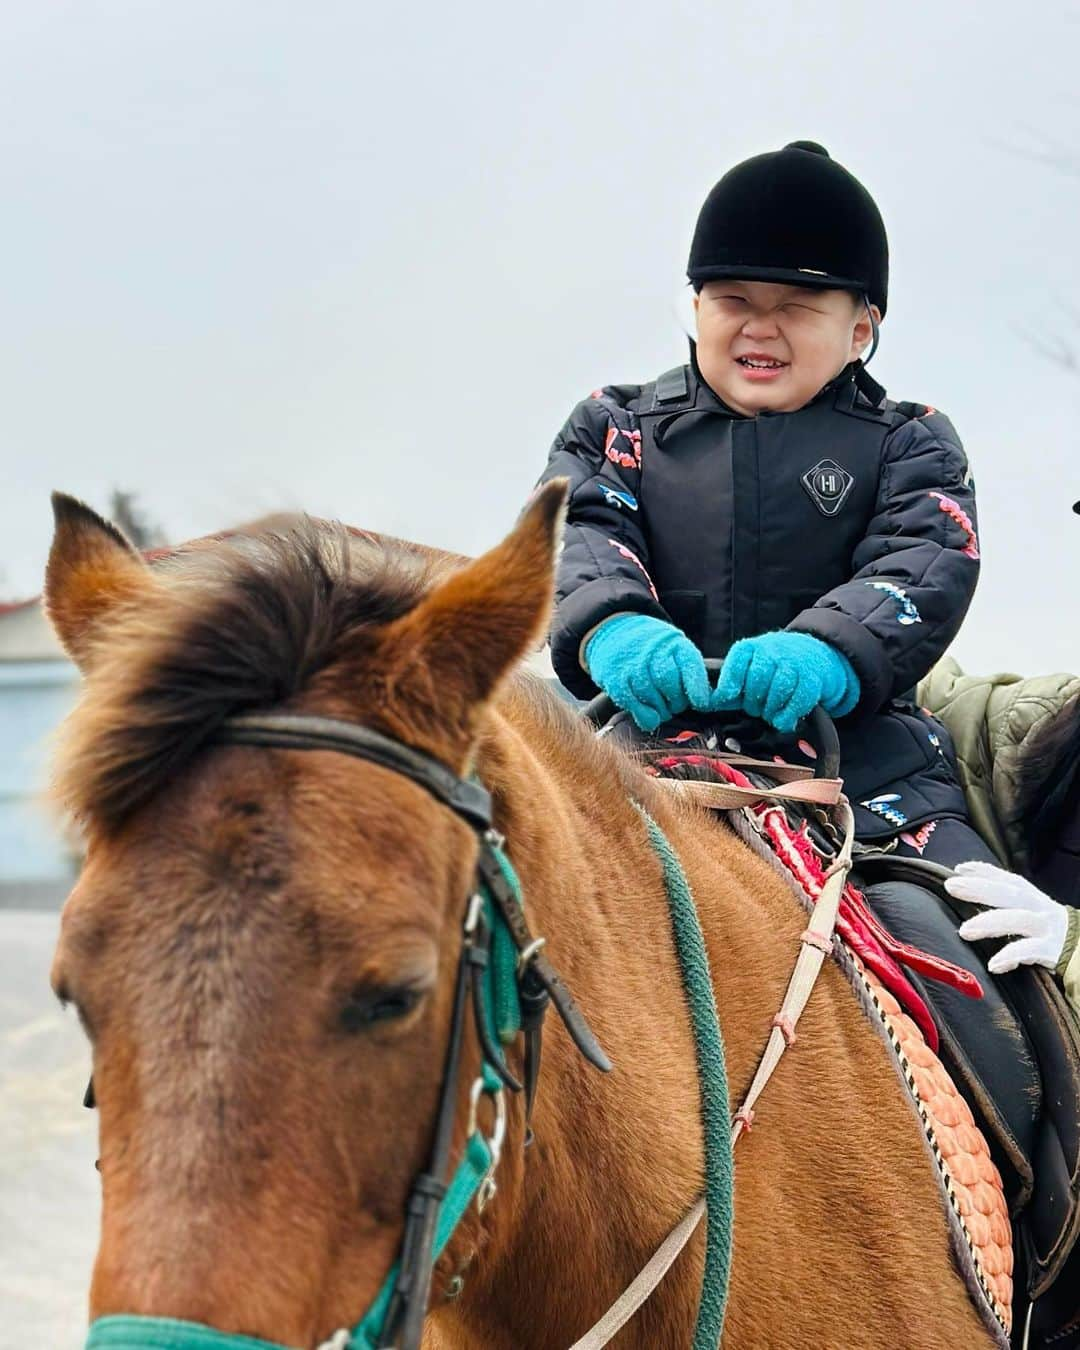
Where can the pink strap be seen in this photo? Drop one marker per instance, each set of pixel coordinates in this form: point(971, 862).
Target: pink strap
point(817, 940)
point(786, 1023)
point(744, 1116)
point(822, 941)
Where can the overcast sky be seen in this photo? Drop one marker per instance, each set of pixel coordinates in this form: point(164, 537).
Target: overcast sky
point(362, 259)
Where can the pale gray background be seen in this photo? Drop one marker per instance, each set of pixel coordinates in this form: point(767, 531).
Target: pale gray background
point(362, 260)
point(48, 1185)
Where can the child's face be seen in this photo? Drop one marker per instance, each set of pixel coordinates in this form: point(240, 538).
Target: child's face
point(768, 347)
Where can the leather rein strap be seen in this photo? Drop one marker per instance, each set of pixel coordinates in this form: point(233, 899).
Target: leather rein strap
point(288, 731)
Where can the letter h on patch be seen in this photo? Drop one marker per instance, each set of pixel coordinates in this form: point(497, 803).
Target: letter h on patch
point(828, 485)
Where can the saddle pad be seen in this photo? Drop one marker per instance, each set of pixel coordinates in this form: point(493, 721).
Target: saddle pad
point(972, 1182)
point(969, 1182)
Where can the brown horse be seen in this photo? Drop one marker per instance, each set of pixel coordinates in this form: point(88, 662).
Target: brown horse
point(262, 949)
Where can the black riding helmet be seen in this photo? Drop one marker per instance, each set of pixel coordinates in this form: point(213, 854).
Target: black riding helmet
point(795, 216)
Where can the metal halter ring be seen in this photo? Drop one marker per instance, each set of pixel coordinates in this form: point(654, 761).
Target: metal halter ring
point(528, 953)
point(472, 917)
point(495, 1141)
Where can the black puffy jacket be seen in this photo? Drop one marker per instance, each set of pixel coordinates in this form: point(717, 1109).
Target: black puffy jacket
point(852, 519)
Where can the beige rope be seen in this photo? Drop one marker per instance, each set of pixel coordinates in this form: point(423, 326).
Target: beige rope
point(635, 1294)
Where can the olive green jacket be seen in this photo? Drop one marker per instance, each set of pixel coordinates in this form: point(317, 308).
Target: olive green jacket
point(989, 718)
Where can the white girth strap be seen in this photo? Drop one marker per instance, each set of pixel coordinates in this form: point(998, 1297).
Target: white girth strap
point(817, 940)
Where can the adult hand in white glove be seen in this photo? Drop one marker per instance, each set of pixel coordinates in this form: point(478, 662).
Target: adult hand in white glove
point(1016, 909)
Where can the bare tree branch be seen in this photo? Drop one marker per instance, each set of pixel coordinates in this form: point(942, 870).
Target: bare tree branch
point(1045, 148)
point(1054, 349)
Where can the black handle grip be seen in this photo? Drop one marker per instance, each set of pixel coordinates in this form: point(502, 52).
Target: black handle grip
point(820, 728)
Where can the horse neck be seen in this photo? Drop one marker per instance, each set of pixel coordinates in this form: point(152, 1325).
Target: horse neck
point(610, 1170)
point(618, 1158)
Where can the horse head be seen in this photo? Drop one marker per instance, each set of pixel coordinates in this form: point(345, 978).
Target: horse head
point(262, 943)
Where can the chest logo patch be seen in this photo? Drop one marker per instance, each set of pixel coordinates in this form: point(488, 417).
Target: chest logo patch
point(828, 485)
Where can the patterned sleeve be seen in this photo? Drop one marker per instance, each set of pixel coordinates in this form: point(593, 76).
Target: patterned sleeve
point(604, 565)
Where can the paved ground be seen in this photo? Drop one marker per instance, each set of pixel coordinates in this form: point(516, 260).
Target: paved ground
point(48, 1185)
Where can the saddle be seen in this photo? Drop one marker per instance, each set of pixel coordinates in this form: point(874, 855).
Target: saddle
point(1014, 1053)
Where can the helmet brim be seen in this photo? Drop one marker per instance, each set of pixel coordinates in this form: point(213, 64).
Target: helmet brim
point(791, 276)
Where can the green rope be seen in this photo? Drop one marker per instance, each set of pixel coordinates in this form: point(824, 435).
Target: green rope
point(712, 1075)
point(506, 1011)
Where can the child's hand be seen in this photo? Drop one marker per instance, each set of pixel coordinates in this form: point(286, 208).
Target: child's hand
point(648, 667)
point(780, 677)
point(1017, 910)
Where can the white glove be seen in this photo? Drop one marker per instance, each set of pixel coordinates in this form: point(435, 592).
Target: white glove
point(1017, 909)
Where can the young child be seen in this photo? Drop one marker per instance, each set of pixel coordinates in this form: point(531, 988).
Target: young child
point(768, 504)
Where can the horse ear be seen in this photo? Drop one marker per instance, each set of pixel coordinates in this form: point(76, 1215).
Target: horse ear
point(468, 633)
point(92, 570)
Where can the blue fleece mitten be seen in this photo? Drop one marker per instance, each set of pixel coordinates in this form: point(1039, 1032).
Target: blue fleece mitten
point(780, 677)
point(647, 667)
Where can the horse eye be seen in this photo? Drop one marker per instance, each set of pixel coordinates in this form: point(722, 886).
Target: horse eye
point(366, 1007)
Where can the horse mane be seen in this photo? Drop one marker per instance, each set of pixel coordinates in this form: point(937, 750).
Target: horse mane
point(238, 623)
point(1047, 776)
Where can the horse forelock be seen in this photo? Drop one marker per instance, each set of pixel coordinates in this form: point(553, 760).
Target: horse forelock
point(236, 625)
